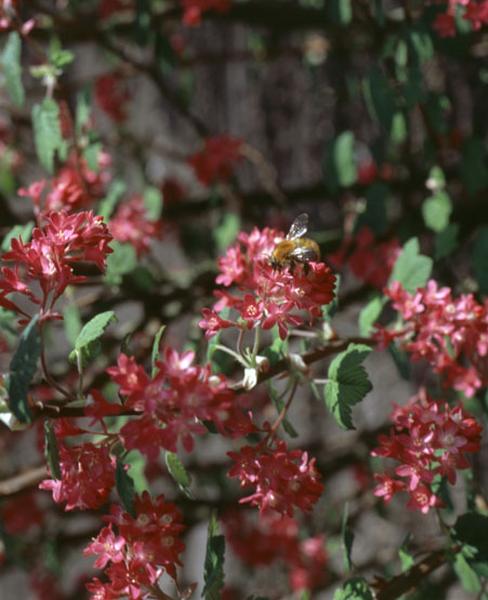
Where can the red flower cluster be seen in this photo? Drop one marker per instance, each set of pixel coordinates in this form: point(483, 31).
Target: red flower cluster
point(274, 538)
point(131, 224)
point(47, 259)
point(194, 9)
point(76, 186)
point(475, 11)
point(430, 441)
point(369, 260)
point(450, 333)
point(174, 403)
point(141, 550)
point(112, 95)
point(217, 160)
point(88, 476)
point(270, 295)
point(283, 479)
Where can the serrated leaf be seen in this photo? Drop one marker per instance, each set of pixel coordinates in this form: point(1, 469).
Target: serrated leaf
point(125, 488)
point(213, 573)
point(90, 334)
point(370, 314)
point(480, 259)
point(347, 383)
point(446, 241)
point(22, 231)
point(51, 450)
point(436, 211)
point(108, 204)
point(178, 472)
point(354, 589)
point(12, 68)
point(411, 268)
point(155, 349)
point(122, 261)
point(22, 370)
point(153, 201)
point(47, 132)
point(347, 536)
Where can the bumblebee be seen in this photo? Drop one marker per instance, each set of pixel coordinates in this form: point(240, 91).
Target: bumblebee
point(295, 248)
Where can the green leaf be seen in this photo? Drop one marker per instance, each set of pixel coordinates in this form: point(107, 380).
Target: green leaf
point(90, 334)
point(421, 44)
point(380, 98)
point(354, 589)
point(108, 204)
point(471, 530)
point(214, 562)
point(91, 155)
point(406, 559)
point(51, 450)
point(47, 132)
point(178, 472)
point(125, 488)
point(22, 370)
point(347, 383)
point(467, 576)
point(347, 536)
point(446, 241)
point(340, 165)
point(227, 231)
point(137, 466)
point(153, 201)
point(340, 11)
point(12, 68)
point(83, 110)
point(400, 358)
point(480, 259)
point(436, 211)
point(122, 261)
point(411, 268)
point(72, 323)
point(474, 171)
point(370, 314)
point(22, 231)
point(155, 349)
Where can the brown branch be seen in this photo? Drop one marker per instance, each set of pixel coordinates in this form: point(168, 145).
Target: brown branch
point(403, 583)
point(18, 483)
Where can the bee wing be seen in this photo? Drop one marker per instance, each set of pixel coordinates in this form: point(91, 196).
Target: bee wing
point(303, 255)
point(298, 228)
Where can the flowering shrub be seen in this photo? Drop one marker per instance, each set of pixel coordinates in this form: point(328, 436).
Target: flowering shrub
point(190, 319)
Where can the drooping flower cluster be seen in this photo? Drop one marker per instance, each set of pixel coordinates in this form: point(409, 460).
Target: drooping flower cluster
point(369, 260)
point(112, 95)
point(194, 9)
point(75, 186)
point(270, 296)
point(131, 224)
point(218, 159)
point(430, 440)
point(450, 333)
point(139, 551)
point(474, 11)
point(174, 403)
point(48, 259)
point(283, 479)
point(270, 538)
point(87, 477)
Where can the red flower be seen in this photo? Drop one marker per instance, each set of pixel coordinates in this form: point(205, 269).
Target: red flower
point(216, 162)
point(265, 296)
point(112, 95)
point(428, 439)
point(175, 402)
point(88, 476)
point(449, 333)
point(131, 224)
point(193, 9)
point(283, 479)
point(445, 25)
point(212, 323)
point(47, 259)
